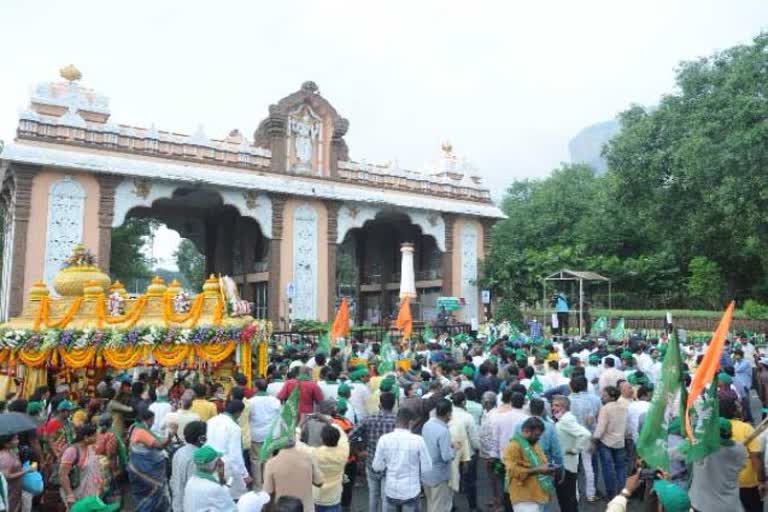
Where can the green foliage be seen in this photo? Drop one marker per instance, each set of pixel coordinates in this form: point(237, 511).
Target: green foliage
point(704, 282)
point(191, 265)
point(509, 310)
point(754, 310)
point(128, 262)
point(311, 326)
point(681, 217)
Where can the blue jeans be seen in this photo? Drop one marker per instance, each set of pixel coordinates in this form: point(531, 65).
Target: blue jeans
point(613, 462)
point(328, 508)
point(375, 489)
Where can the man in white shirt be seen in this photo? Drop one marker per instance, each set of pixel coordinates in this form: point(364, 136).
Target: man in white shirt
point(205, 489)
point(635, 411)
point(224, 435)
point(403, 456)
point(505, 423)
point(161, 408)
point(262, 409)
point(610, 376)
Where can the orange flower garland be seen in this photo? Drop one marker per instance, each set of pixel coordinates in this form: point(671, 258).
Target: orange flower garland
point(193, 314)
point(124, 357)
point(215, 352)
point(131, 316)
point(218, 313)
point(77, 357)
point(33, 358)
point(43, 312)
point(170, 355)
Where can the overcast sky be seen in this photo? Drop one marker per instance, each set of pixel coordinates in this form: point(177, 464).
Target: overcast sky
point(508, 82)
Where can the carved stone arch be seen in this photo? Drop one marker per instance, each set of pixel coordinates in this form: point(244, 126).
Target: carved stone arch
point(134, 193)
point(64, 229)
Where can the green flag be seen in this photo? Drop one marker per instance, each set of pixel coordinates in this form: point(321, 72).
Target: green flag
point(427, 335)
point(705, 418)
point(387, 363)
point(618, 331)
point(535, 388)
point(600, 325)
point(324, 344)
point(283, 427)
point(652, 442)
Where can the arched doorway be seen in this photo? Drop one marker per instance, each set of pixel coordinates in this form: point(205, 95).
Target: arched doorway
point(368, 268)
point(232, 244)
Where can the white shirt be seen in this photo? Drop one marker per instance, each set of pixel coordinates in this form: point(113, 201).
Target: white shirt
point(359, 398)
point(262, 409)
point(160, 409)
point(274, 387)
point(404, 457)
point(635, 410)
point(504, 426)
point(330, 389)
point(224, 435)
point(201, 495)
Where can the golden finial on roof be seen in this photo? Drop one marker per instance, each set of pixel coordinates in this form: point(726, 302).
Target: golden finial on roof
point(447, 148)
point(70, 73)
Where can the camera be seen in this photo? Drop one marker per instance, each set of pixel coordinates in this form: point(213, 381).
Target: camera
point(648, 474)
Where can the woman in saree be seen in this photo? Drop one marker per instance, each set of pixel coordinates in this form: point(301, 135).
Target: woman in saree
point(114, 457)
point(56, 434)
point(147, 465)
point(80, 459)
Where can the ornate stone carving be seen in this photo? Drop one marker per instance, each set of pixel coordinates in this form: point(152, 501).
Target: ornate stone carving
point(305, 262)
point(107, 185)
point(252, 204)
point(66, 209)
point(142, 187)
point(430, 223)
point(469, 268)
point(352, 216)
point(19, 201)
point(250, 199)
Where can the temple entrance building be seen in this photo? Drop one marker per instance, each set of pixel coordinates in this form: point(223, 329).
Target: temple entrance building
point(288, 214)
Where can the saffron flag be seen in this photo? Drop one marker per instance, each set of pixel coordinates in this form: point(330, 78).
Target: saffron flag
point(652, 442)
point(283, 428)
point(404, 321)
point(705, 374)
point(340, 326)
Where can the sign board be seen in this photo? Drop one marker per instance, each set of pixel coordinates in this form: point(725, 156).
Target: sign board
point(290, 290)
point(449, 303)
point(485, 295)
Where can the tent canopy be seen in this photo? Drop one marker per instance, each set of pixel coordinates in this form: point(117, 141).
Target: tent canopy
point(579, 276)
point(576, 275)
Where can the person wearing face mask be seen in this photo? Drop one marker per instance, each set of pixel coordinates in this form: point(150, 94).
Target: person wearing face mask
point(529, 482)
point(573, 439)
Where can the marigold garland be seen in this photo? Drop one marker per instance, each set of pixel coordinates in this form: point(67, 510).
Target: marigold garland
point(170, 355)
point(193, 314)
point(218, 313)
point(4, 355)
point(215, 352)
point(77, 357)
point(123, 358)
point(33, 358)
point(44, 311)
point(131, 316)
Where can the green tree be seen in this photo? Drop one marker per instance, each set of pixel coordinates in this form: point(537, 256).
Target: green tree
point(191, 264)
point(128, 262)
point(705, 282)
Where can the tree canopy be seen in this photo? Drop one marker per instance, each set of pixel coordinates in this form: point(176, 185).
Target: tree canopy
point(681, 216)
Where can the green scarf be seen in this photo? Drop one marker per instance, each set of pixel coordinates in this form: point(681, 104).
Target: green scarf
point(206, 476)
point(533, 459)
point(304, 377)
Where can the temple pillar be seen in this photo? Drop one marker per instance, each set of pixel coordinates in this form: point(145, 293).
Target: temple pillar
point(276, 130)
point(361, 274)
point(211, 234)
point(447, 257)
point(274, 293)
point(19, 206)
point(332, 210)
point(107, 185)
point(224, 242)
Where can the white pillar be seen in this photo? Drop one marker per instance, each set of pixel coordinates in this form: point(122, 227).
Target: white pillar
point(407, 274)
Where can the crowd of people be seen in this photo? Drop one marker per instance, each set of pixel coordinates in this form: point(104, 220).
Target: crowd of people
point(419, 426)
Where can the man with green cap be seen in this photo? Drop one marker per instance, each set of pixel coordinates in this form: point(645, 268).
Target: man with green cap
point(205, 490)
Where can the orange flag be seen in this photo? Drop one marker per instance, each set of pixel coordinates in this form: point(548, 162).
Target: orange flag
point(709, 365)
point(340, 326)
point(404, 320)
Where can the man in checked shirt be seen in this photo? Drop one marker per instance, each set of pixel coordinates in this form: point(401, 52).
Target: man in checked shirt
point(368, 433)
